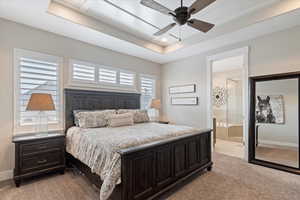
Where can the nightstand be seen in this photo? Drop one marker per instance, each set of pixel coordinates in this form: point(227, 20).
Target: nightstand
point(37, 154)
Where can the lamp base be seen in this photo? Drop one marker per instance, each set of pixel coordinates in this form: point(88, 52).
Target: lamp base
point(42, 123)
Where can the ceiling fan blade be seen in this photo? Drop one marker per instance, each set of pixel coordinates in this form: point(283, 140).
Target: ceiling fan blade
point(164, 30)
point(156, 6)
point(200, 25)
point(199, 5)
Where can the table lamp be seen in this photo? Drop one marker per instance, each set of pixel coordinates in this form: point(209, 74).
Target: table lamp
point(41, 102)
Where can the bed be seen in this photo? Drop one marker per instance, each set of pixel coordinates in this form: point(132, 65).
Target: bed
point(146, 166)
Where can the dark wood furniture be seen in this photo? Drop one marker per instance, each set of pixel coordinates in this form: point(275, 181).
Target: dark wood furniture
point(253, 128)
point(37, 154)
point(163, 122)
point(149, 170)
point(214, 131)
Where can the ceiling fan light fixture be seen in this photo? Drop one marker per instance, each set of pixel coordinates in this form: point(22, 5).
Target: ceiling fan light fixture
point(164, 39)
point(182, 15)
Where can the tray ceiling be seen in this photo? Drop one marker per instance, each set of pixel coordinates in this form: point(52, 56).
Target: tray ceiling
point(130, 16)
point(113, 28)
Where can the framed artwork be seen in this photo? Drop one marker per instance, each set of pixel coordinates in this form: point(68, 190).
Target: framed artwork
point(184, 100)
point(182, 89)
point(269, 109)
point(219, 96)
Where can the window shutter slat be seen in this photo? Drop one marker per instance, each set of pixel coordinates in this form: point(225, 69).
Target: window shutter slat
point(127, 78)
point(84, 72)
point(39, 62)
point(107, 76)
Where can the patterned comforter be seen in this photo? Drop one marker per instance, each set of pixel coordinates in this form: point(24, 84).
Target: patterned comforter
point(97, 147)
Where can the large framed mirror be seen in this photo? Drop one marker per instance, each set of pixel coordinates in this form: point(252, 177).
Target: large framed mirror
point(274, 132)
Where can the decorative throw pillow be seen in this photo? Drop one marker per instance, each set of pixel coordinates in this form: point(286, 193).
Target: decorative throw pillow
point(117, 120)
point(139, 116)
point(94, 119)
point(76, 122)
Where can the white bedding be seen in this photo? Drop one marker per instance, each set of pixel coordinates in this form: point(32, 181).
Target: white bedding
point(97, 147)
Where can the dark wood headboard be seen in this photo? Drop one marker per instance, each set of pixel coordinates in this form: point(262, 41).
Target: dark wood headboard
point(96, 100)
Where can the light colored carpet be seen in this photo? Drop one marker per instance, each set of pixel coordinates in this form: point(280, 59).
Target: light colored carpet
point(230, 179)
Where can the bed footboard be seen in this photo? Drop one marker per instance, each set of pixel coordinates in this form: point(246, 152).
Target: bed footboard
point(150, 170)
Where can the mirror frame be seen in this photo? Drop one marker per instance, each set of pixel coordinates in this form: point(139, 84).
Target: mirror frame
point(252, 96)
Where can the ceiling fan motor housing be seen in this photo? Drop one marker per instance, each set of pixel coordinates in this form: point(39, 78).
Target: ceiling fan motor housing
point(182, 15)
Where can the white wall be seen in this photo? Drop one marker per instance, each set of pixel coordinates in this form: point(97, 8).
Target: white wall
point(13, 35)
point(275, 53)
point(281, 134)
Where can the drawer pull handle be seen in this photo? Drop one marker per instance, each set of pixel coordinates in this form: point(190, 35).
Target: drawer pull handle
point(43, 147)
point(42, 161)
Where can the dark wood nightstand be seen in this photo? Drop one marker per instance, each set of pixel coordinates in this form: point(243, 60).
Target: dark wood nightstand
point(37, 154)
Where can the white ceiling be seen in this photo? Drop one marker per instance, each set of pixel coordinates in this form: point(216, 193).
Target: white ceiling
point(109, 11)
point(236, 21)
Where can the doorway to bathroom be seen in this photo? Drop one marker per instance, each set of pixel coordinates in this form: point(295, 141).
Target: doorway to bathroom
point(228, 74)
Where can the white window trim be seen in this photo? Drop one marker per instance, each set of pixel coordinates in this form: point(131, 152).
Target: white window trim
point(101, 85)
point(16, 71)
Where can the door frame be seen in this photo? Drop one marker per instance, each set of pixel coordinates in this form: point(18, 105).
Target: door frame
point(244, 51)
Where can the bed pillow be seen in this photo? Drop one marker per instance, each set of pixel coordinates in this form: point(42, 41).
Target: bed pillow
point(139, 116)
point(93, 119)
point(76, 122)
point(117, 120)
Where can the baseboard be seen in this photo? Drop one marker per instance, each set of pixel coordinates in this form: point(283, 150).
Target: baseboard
point(270, 142)
point(6, 175)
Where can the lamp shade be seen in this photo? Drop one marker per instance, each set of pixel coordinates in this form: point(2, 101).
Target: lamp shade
point(155, 103)
point(40, 102)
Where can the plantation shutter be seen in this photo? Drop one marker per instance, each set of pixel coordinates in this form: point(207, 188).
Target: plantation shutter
point(107, 76)
point(36, 75)
point(127, 78)
point(147, 91)
point(83, 72)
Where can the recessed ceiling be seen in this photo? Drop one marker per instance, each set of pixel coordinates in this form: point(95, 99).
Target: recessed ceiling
point(130, 16)
point(112, 28)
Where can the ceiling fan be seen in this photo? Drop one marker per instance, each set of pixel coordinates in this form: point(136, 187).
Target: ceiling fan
point(182, 15)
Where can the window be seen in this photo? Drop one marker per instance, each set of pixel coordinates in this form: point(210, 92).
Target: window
point(83, 73)
point(97, 75)
point(35, 73)
point(108, 76)
point(127, 78)
point(147, 84)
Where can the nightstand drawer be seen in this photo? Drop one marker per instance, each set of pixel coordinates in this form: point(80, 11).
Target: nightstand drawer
point(38, 154)
point(41, 161)
point(36, 147)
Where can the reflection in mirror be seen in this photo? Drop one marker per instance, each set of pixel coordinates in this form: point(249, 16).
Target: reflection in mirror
point(277, 122)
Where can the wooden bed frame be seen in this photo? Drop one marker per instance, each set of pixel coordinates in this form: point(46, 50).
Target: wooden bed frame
point(147, 171)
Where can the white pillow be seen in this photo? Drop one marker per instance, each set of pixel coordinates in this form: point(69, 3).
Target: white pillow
point(139, 116)
point(117, 120)
point(94, 119)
